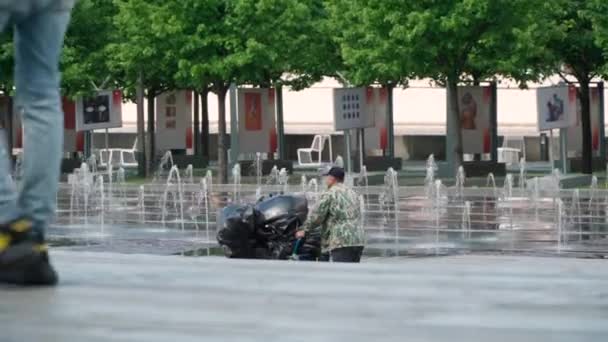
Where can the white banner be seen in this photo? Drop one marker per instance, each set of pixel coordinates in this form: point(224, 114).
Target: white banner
point(350, 109)
point(575, 132)
point(376, 101)
point(556, 107)
point(101, 111)
point(174, 120)
point(256, 114)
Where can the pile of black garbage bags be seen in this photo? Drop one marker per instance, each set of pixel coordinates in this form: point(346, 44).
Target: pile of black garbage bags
point(266, 229)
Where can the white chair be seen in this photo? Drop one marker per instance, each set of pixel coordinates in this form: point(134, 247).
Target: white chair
point(305, 155)
point(119, 157)
point(512, 150)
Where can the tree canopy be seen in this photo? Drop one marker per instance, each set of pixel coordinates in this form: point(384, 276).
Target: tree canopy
point(210, 44)
point(85, 57)
point(572, 42)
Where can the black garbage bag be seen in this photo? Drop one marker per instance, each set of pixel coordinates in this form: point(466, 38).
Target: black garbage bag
point(267, 229)
point(237, 230)
point(282, 207)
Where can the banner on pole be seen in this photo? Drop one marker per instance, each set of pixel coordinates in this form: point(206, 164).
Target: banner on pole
point(556, 107)
point(376, 137)
point(350, 109)
point(101, 111)
point(174, 120)
point(475, 115)
point(73, 140)
point(256, 120)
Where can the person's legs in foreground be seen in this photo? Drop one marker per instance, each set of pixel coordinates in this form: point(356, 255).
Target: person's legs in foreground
point(23, 255)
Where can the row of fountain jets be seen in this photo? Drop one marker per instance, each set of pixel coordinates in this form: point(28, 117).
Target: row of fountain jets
point(87, 183)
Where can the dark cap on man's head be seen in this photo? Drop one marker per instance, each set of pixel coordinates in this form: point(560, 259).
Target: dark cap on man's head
point(336, 172)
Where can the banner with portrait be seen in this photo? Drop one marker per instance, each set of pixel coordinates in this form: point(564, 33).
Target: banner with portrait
point(256, 115)
point(174, 120)
point(475, 114)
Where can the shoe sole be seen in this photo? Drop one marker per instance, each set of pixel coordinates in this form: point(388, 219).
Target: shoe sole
point(23, 265)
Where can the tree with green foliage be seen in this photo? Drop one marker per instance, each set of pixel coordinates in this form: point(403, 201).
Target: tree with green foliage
point(461, 40)
point(142, 50)
point(262, 43)
point(448, 41)
point(84, 61)
point(7, 62)
point(362, 30)
point(598, 14)
point(572, 50)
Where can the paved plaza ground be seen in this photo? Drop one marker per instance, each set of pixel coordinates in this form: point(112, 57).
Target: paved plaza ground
point(117, 297)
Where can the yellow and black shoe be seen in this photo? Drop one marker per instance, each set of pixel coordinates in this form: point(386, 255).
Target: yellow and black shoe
point(24, 256)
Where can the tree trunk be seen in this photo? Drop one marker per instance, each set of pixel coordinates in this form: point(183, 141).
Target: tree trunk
point(141, 130)
point(197, 127)
point(390, 122)
point(454, 132)
point(587, 165)
point(280, 123)
point(222, 156)
point(151, 130)
point(205, 123)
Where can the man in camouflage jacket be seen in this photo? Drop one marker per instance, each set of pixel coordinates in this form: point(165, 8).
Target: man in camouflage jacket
point(338, 216)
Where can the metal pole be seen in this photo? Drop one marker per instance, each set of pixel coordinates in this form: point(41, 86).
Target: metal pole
point(449, 136)
point(361, 154)
point(280, 123)
point(107, 141)
point(196, 131)
point(9, 124)
point(551, 156)
point(141, 131)
point(87, 144)
point(234, 127)
point(347, 161)
point(91, 142)
point(563, 138)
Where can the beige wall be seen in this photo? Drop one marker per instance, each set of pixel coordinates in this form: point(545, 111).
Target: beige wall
point(419, 110)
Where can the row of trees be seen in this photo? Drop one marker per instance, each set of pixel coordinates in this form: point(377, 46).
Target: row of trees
point(207, 45)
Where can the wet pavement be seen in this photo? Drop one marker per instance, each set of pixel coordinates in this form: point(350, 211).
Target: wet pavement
point(119, 297)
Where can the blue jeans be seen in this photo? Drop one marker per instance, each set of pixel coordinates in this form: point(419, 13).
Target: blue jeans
point(38, 40)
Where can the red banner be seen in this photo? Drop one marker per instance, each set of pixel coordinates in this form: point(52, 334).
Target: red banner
point(487, 141)
point(80, 141)
point(572, 94)
point(69, 113)
point(273, 140)
point(369, 95)
point(383, 95)
point(189, 137)
point(271, 97)
point(487, 94)
point(383, 138)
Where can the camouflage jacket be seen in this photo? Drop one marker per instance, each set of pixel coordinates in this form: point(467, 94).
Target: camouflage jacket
point(338, 215)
